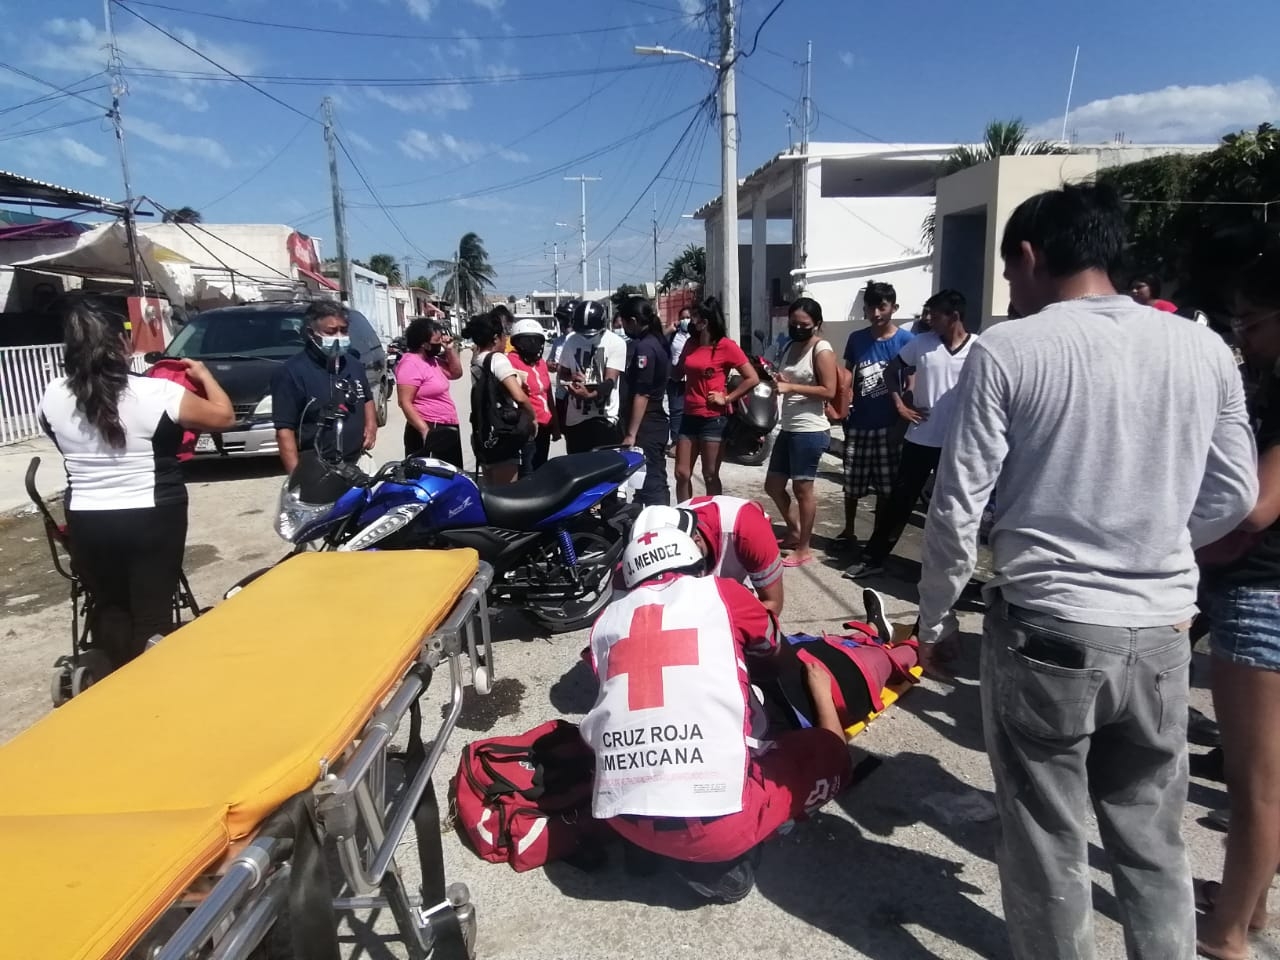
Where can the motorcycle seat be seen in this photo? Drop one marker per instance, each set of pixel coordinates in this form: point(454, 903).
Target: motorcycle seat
point(526, 503)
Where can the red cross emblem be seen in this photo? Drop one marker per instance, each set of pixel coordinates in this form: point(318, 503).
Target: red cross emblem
point(642, 656)
point(646, 538)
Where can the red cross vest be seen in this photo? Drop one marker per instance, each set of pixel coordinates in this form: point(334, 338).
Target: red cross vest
point(727, 563)
point(668, 725)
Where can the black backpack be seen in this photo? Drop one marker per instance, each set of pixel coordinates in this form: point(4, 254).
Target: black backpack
point(495, 416)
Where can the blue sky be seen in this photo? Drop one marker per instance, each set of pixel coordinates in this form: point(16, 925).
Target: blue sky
point(912, 70)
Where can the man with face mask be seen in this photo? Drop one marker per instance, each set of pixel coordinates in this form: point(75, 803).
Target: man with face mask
point(318, 381)
point(675, 388)
point(590, 367)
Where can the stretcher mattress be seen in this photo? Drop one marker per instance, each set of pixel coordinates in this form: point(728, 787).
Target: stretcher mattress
point(889, 696)
point(117, 801)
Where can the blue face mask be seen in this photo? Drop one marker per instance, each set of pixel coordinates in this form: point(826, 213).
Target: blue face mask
point(684, 324)
point(334, 346)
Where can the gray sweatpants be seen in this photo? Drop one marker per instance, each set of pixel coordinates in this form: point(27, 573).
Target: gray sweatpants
point(1077, 714)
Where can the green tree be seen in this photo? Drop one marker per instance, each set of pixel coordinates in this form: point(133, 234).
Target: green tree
point(689, 269)
point(624, 291)
point(183, 215)
point(467, 276)
point(1002, 138)
point(424, 283)
point(385, 264)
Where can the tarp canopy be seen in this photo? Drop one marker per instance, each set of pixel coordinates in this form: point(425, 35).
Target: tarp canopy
point(103, 254)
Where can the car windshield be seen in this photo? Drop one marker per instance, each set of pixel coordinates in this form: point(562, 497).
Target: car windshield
point(268, 334)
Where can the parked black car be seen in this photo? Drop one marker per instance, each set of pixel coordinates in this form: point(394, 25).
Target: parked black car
point(243, 345)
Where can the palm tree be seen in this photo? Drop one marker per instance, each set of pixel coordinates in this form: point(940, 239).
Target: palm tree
point(424, 283)
point(466, 277)
point(385, 264)
point(1002, 138)
point(687, 270)
point(182, 215)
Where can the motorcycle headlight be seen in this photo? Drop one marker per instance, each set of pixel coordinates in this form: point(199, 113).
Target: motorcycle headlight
point(760, 390)
point(263, 409)
point(293, 515)
point(394, 519)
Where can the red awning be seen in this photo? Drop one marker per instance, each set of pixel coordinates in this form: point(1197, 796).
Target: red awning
point(319, 278)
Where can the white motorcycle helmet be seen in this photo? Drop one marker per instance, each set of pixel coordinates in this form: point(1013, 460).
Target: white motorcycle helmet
point(651, 519)
point(664, 550)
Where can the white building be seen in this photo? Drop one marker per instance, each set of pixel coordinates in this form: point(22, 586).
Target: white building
point(826, 223)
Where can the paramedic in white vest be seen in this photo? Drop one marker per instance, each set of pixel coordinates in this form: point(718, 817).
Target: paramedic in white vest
point(736, 539)
point(677, 771)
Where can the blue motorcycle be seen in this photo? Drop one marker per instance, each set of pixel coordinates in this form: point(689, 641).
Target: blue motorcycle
point(553, 539)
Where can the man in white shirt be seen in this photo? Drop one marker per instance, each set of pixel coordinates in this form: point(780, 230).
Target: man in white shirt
point(932, 363)
point(590, 366)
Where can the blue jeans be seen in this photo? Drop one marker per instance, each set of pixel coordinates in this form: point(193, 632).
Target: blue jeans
point(796, 455)
point(675, 408)
point(1076, 714)
point(1244, 626)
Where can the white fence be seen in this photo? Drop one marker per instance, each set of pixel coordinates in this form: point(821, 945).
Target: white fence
point(24, 373)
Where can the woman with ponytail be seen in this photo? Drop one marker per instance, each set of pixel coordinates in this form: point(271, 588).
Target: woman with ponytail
point(126, 500)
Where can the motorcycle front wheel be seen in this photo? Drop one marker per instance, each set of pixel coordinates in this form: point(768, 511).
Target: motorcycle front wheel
point(753, 457)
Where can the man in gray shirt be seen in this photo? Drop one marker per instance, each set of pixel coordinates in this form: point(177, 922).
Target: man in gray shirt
point(1121, 443)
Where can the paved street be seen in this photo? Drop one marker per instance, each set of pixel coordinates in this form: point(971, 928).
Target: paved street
point(901, 867)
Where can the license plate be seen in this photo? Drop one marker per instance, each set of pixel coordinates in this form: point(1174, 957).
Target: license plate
point(205, 444)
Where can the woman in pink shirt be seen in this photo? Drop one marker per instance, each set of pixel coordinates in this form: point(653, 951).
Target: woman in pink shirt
point(422, 388)
point(528, 340)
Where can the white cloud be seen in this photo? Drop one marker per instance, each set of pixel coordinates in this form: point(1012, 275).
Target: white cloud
point(846, 57)
point(493, 6)
point(420, 8)
point(693, 8)
point(420, 145)
point(431, 100)
point(362, 142)
point(206, 148)
point(77, 151)
point(1174, 114)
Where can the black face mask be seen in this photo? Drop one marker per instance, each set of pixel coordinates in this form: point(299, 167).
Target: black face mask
point(435, 349)
point(799, 333)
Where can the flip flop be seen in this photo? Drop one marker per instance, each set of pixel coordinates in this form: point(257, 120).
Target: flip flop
point(794, 561)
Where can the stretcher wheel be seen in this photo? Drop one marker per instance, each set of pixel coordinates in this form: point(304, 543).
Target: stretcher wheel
point(93, 666)
point(481, 680)
point(60, 687)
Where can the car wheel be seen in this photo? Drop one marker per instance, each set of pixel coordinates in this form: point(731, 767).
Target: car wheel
point(382, 405)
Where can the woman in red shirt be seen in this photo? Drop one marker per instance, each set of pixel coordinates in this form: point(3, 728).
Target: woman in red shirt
point(704, 367)
point(528, 339)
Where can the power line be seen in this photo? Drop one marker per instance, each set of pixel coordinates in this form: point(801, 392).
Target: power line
point(231, 73)
point(790, 98)
point(31, 131)
point(702, 105)
point(378, 200)
point(551, 171)
point(182, 225)
point(756, 39)
point(55, 97)
point(475, 80)
point(67, 90)
point(262, 169)
point(305, 28)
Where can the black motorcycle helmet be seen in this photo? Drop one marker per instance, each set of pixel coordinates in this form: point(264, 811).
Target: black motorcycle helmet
point(564, 312)
point(589, 316)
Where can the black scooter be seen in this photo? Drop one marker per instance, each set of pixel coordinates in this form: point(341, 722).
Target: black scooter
point(748, 439)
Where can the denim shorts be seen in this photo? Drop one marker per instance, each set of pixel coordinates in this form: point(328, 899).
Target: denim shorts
point(1244, 626)
point(706, 429)
point(796, 455)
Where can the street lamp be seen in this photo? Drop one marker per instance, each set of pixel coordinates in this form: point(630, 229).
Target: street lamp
point(728, 160)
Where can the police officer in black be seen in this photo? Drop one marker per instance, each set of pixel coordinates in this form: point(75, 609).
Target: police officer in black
point(644, 385)
point(323, 381)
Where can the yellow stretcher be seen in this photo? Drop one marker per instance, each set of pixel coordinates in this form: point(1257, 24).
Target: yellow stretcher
point(172, 809)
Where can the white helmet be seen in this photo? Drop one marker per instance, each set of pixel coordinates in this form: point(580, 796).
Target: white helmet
point(659, 551)
point(528, 327)
point(662, 518)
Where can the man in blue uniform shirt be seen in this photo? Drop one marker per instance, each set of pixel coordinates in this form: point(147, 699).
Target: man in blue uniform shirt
point(320, 378)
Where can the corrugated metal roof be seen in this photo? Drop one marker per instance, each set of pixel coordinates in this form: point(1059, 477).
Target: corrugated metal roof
point(15, 188)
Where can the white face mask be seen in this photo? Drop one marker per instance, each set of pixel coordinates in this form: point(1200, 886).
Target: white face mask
point(334, 346)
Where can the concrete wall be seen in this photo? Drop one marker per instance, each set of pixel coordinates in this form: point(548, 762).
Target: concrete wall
point(252, 249)
point(995, 188)
point(370, 296)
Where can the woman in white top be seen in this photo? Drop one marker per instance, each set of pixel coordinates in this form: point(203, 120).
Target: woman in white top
point(126, 500)
point(807, 379)
point(496, 387)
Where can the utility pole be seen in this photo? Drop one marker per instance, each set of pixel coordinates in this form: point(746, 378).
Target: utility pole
point(801, 219)
point(555, 273)
point(118, 89)
point(655, 246)
point(599, 273)
point(339, 211)
point(729, 174)
point(608, 253)
point(583, 181)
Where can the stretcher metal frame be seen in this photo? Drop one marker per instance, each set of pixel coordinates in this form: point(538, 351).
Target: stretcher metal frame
point(348, 809)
